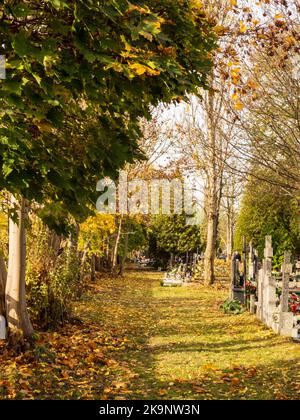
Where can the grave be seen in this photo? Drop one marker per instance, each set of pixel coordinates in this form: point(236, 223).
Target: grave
point(2, 328)
point(278, 317)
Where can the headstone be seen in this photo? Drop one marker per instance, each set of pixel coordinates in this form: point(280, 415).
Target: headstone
point(2, 328)
point(296, 333)
point(286, 269)
point(260, 296)
point(286, 324)
point(252, 304)
point(268, 252)
point(276, 322)
point(251, 262)
point(270, 299)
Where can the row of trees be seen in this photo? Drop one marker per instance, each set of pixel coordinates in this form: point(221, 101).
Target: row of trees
point(244, 130)
point(79, 76)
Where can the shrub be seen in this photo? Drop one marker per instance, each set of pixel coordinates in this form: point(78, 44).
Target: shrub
point(233, 307)
point(52, 279)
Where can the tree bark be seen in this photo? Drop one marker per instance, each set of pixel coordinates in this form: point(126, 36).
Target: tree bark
point(122, 268)
point(93, 268)
point(116, 246)
point(83, 260)
point(210, 252)
point(212, 196)
point(229, 237)
point(3, 277)
point(18, 321)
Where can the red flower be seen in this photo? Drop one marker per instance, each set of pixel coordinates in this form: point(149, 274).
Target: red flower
point(294, 308)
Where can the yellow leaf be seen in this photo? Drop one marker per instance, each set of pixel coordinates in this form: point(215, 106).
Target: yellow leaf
point(243, 27)
point(138, 68)
point(239, 106)
point(197, 4)
point(141, 69)
point(278, 16)
point(233, 3)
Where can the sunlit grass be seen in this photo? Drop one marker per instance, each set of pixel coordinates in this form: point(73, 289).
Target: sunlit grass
point(190, 349)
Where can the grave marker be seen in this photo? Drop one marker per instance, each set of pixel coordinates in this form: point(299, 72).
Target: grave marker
point(2, 328)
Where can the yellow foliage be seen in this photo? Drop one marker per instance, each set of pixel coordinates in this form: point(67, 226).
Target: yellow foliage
point(95, 230)
point(140, 69)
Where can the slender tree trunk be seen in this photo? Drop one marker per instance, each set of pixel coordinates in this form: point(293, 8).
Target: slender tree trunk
point(93, 268)
point(210, 252)
point(3, 277)
point(98, 262)
point(229, 237)
point(83, 260)
point(212, 195)
point(116, 246)
point(16, 310)
point(73, 240)
point(122, 268)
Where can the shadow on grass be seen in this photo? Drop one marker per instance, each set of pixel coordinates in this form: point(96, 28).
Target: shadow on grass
point(267, 380)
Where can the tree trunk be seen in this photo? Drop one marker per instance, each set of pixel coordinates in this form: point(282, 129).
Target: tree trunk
point(93, 268)
point(116, 246)
point(122, 268)
point(210, 252)
point(83, 260)
point(229, 237)
point(16, 310)
point(3, 277)
point(212, 197)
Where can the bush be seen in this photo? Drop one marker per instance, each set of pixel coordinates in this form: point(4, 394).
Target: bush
point(52, 279)
point(233, 307)
point(222, 269)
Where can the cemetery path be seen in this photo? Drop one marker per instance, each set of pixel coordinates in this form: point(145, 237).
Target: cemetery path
point(139, 340)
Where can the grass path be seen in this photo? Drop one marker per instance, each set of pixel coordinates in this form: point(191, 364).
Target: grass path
point(141, 341)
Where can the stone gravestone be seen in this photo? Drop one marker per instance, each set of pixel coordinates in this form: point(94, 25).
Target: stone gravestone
point(260, 296)
point(251, 262)
point(269, 288)
point(268, 252)
point(266, 288)
point(2, 328)
point(286, 317)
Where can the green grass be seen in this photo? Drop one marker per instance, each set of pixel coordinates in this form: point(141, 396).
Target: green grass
point(180, 345)
point(138, 340)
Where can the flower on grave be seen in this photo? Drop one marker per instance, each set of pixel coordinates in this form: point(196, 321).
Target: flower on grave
point(250, 288)
point(295, 308)
point(294, 303)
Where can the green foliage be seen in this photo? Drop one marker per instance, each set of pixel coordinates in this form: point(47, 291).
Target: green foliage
point(267, 210)
point(50, 295)
point(52, 278)
point(171, 234)
point(80, 74)
point(174, 235)
point(233, 307)
point(137, 238)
